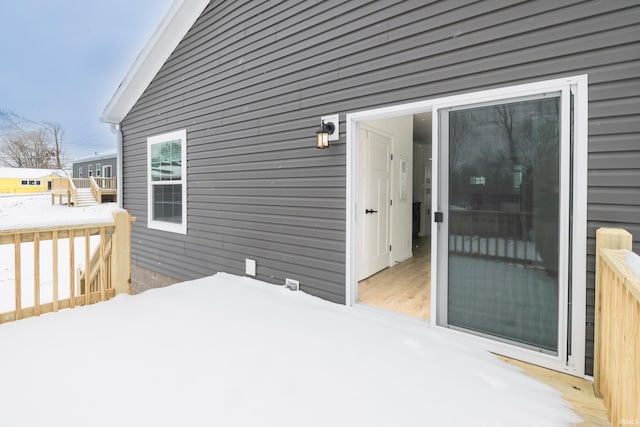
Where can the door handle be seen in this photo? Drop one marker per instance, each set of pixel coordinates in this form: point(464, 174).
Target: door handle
point(368, 211)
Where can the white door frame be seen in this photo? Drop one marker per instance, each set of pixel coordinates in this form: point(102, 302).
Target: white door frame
point(578, 87)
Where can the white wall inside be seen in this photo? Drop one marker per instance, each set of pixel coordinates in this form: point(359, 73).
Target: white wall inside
point(400, 129)
point(422, 169)
point(418, 181)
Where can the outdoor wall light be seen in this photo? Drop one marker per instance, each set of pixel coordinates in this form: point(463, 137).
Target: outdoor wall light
point(323, 133)
point(328, 131)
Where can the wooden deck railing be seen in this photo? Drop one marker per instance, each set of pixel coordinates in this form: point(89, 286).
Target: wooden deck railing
point(82, 182)
point(617, 327)
point(107, 270)
point(95, 189)
point(61, 187)
point(101, 188)
point(105, 184)
point(492, 234)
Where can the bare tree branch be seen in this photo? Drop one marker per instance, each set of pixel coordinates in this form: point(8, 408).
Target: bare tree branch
point(56, 132)
point(10, 121)
point(29, 149)
point(459, 128)
point(25, 143)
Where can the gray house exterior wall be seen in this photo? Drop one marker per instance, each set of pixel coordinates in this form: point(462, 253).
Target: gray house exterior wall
point(251, 79)
point(95, 161)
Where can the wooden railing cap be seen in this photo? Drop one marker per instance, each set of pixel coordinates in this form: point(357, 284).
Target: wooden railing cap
point(619, 262)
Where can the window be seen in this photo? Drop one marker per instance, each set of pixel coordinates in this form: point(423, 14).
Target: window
point(97, 169)
point(90, 170)
point(24, 182)
point(477, 180)
point(80, 172)
point(167, 178)
point(106, 171)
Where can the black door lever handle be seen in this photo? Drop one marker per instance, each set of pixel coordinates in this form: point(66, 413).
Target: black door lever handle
point(367, 211)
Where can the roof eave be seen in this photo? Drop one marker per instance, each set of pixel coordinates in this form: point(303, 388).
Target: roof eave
point(179, 19)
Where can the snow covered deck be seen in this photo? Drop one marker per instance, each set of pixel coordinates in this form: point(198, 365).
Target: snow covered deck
point(226, 350)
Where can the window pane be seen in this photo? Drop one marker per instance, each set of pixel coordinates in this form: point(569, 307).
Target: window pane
point(167, 203)
point(166, 161)
point(504, 221)
point(156, 159)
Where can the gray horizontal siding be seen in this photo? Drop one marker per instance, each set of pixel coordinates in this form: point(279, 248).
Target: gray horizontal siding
point(251, 79)
point(109, 161)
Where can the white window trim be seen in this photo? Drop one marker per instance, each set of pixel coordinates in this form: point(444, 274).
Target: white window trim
point(579, 87)
point(162, 225)
point(104, 168)
point(80, 172)
point(89, 171)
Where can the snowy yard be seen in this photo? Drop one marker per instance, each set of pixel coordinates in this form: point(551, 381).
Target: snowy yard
point(36, 211)
point(232, 351)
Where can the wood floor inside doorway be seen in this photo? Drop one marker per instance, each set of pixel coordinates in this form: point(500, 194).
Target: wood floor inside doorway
point(405, 287)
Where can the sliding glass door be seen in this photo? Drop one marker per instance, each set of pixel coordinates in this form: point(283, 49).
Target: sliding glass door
point(504, 195)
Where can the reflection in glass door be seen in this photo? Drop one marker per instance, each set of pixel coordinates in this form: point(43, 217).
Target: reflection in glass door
point(503, 220)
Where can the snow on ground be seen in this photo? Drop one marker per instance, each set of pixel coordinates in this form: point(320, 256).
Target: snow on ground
point(26, 211)
point(17, 212)
point(233, 351)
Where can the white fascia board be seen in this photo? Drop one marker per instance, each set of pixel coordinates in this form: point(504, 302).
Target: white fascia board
point(175, 25)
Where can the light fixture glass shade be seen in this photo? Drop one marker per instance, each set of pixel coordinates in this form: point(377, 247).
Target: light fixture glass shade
point(323, 135)
point(323, 139)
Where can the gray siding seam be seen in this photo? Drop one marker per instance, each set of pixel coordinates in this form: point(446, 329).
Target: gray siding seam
point(208, 83)
point(444, 77)
point(348, 52)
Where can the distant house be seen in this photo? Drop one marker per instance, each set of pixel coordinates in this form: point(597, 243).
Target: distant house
point(25, 180)
point(104, 166)
point(507, 132)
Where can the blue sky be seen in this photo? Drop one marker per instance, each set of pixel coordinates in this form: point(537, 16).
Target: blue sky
point(61, 60)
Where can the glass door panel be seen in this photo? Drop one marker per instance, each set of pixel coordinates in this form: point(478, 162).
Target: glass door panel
point(503, 220)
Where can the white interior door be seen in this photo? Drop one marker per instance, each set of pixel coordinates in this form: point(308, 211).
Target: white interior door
point(374, 202)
